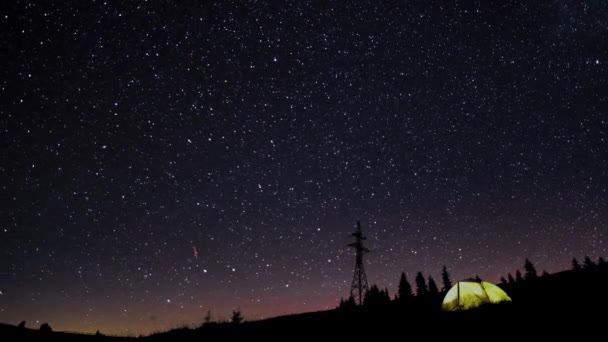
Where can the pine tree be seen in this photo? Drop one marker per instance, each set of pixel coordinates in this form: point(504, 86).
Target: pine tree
point(503, 281)
point(387, 297)
point(236, 317)
point(433, 290)
point(421, 289)
point(405, 289)
point(511, 280)
point(370, 295)
point(445, 278)
point(348, 303)
point(530, 270)
point(374, 296)
point(575, 264)
point(601, 261)
point(208, 317)
point(351, 302)
point(518, 277)
point(588, 263)
point(544, 274)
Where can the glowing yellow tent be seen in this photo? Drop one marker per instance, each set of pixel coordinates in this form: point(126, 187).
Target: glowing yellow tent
point(468, 294)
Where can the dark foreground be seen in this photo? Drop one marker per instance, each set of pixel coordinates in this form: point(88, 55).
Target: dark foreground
point(569, 303)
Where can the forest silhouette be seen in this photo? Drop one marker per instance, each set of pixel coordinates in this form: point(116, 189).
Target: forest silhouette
point(545, 305)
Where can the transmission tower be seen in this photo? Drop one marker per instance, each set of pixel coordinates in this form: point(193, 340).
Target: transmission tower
point(359, 286)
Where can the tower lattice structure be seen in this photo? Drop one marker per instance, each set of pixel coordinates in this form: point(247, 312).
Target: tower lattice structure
point(359, 285)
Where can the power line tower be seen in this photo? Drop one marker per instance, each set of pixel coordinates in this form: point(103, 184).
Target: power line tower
point(359, 284)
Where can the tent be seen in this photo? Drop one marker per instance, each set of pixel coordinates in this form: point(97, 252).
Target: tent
point(468, 294)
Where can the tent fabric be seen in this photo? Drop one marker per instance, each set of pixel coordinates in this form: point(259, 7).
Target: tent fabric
point(465, 295)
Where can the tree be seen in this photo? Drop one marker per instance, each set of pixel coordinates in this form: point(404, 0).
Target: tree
point(511, 280)
point(21, 325)
point(433, 290)
point(236, 317)
point(208, 317)
point(348, 303)
point(405, 289)
point(376, 297)
point(588, 263)
point(518, 277)
point(575, 264)
point(445, 278)
point(421, 289)
point(544, 274)
point(503, 281)
point(530, 270)
point(45, 328)
point(351, 302)
point(601, 261)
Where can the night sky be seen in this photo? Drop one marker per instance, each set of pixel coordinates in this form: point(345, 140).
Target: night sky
point(162, 160)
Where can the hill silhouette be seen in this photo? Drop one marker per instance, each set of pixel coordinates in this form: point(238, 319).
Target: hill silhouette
point(565, 302)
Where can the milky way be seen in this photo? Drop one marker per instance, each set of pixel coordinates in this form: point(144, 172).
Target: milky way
point(162, 160)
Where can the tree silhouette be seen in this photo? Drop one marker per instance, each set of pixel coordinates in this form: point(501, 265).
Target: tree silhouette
point(21, 325)
point(348, 303)
point(45, 328)
point(503, 281)
point(601, 261)
point(236, 317)
point(511, 280)
point(544, 274)
point(405, 289)
point(376, 297)
point(445, 278)
point(421, 289)
point(518, 277)
point(575, 264)
point(530, 270)
point(433, 290)
point(477, 278)
point(208, 317)
point(588, 263)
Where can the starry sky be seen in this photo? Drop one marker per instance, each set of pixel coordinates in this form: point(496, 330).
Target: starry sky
point(470, 134)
